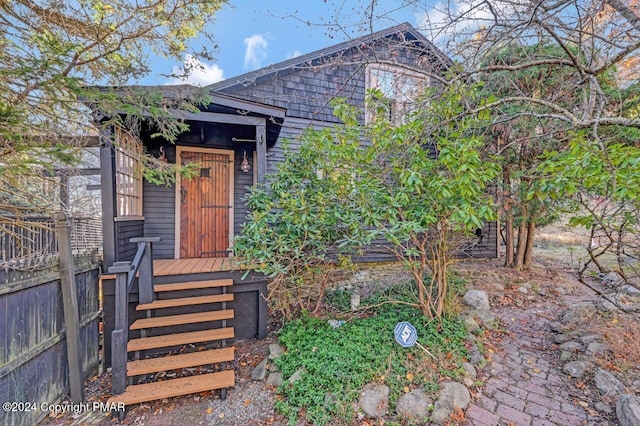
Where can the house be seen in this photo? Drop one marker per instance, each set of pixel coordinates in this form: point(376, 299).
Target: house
point(236, 141)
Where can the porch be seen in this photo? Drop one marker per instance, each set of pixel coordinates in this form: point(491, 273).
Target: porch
point(166, 267)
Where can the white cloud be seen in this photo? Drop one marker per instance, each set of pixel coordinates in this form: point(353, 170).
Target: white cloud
point(293, 54)
point(197, 72)
point(456, 19)
point(256, 51)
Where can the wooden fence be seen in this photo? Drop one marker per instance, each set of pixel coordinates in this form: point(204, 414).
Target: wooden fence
point(34, 363)
point(30, 241)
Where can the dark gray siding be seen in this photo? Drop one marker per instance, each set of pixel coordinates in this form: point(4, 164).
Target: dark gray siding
point(305, 90)
point(125, 230)
point(159, 207)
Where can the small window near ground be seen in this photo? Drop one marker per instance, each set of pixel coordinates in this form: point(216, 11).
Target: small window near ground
point(128, 175)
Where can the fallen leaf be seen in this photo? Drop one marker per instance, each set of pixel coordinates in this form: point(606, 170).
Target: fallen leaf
point(246, 402)
point(583, 404)
point(410, 377)
point(536, 370)
point(209, 410)
point(221, 416)
point(406, 389)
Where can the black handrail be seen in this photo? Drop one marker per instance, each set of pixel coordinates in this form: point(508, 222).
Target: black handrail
point(142, 265)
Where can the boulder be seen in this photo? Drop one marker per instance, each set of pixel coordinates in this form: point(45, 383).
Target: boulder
point(628, 410)
point(571, 346)
point(296, 376)
point(597, 348)
point(476, 299)
point(607, 383)
point(452, 395)
point(374, 400)
point(260, 372)
point(577, 369)
point(275, 379)
point(275, 351)
point(414, 406)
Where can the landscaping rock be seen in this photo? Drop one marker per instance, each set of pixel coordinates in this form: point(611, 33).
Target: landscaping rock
point(566, 356)
point(470, 374)
point(475, 357)
point(597, 348)
point(556, 326)
point(296, 376)
point(571, 346)
point(469, 370)
point(577, 369)
point(607, 383)
point(628, 410)
point(605, 306)
point(374, 400)
point(590, 338)
point(452, 395)
point(489, 320)
point(603, 408)
point(476, 299)
point(275, 351)
point(260, 372)
point(561, 338)
point(275, 379)
point(523, 290)
point(414, 405)
point(471, 325)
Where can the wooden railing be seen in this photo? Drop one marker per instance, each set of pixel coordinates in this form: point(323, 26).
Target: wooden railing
point(142, 265)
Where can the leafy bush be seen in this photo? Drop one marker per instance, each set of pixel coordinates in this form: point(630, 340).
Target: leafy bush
point(340, 361)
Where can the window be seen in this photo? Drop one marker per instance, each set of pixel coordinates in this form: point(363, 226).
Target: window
point(128, 175)
point(400, 89)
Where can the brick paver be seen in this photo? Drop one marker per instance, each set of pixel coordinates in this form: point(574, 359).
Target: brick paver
point(524, 383)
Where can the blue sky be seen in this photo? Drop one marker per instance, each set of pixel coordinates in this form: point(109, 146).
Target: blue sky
point(255, 33)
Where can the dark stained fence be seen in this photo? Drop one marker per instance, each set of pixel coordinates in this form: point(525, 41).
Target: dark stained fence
point(33, 355)
point(33, 349)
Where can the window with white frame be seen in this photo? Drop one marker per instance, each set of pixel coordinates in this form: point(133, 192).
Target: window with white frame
point(128, 175)
point(400, 88)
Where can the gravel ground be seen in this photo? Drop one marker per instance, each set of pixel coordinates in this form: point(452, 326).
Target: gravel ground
point(247, 403)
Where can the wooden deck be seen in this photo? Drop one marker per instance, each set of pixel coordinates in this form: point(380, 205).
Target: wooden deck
point(165, 267)
point(162, 267)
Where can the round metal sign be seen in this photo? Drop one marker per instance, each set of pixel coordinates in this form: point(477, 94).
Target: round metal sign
point(406, 334)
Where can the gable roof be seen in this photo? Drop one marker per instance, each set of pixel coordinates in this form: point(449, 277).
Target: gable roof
point(408, 31)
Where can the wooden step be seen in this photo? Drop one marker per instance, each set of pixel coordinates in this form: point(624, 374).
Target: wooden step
point(135, 394)
point(170, 320)
point(186, 301)
point(193, 285)
point(177, 339)
point(173, 362)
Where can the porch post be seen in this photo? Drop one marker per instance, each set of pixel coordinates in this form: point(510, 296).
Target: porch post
point(261, 152)
point(108, 194)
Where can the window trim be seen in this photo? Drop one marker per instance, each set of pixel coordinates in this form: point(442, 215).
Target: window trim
point(396, 69)
point(128, 177)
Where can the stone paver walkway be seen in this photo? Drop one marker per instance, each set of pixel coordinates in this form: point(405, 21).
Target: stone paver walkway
point(524, 384)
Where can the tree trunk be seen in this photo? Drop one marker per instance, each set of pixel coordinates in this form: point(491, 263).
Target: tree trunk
point(522, 240)
point(509, 243)
point(528, 252)
point(508, 214)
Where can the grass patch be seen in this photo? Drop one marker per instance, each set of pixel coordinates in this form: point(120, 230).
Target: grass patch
point(337, 362)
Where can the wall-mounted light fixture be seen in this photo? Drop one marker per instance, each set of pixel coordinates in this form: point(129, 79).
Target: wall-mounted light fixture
point(162, 157)
point(245, 166)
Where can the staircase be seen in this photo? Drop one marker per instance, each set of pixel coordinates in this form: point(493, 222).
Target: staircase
point(175, 306)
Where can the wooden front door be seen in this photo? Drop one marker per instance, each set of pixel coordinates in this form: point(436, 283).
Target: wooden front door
point(206, 204)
